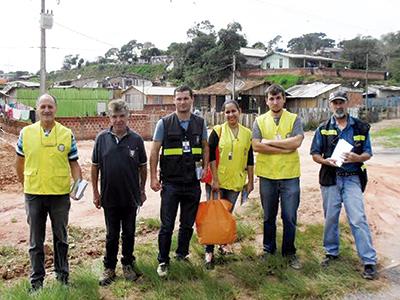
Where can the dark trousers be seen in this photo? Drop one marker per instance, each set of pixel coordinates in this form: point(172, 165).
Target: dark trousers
point(115, 217)
point(37, 208)
point(188, 198)
point(287, 191)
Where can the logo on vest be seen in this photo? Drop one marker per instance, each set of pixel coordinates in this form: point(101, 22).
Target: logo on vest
point(61, 147)
point(132, 153)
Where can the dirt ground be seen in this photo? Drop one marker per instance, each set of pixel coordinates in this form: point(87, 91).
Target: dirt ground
point(381, 198)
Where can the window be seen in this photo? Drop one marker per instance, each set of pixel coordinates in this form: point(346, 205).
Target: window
point(281, 63)
point(158, 99)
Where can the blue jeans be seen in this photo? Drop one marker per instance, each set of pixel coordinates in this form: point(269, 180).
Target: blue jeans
point(288, 192)
point(229, 195)
point(187, 196)
point(347, 191)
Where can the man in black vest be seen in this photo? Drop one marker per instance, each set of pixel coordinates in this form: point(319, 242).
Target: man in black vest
point(344, 181)
point(183, 138)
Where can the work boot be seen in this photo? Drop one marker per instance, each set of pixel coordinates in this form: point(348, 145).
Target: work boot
point(162, 269)
point(370, 272)
point(62, 278)
point(108, 277)
point(36, 286)
point(328, 260)
point(131, 272)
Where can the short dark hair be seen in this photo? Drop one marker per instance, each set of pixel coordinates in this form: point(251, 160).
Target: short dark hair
point(275, 89)
point(184, 88)
point(231, 101)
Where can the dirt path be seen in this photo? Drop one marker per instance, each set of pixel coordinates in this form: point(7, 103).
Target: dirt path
point(382, 197)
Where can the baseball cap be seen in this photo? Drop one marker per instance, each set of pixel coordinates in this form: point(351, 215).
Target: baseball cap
point(339, 95)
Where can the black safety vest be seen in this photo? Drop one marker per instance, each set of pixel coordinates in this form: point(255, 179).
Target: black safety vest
point(176, 165)
point(330, 137)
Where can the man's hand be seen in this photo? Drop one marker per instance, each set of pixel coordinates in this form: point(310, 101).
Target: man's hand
point(350, 157)
point(143, 196)
point(155, 184)
point(96, 199)
point(330, 162)
point(250, 187)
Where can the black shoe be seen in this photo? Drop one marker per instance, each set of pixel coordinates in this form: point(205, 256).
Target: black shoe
point(181, 258)
point(370, 272)
point(294, 262)
point(36, 286)
point(62, 278)
point(131, 272)
point(107, 278)
point(328, 260)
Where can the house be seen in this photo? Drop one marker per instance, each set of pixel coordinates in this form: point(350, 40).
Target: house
point(138, 97)
point(78, 83)
point(11, 88)
point(381, 91)
point(309, 95)
point(124, 81)
point(250, 95)
point(280, 60)
point(253, 56)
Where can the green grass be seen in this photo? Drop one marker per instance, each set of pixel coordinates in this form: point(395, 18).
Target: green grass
point(149, 224)
point(243, 275)
point(285, 80)
point(388, 137)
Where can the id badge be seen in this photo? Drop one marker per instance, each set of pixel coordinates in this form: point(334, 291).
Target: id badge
point(186, 147)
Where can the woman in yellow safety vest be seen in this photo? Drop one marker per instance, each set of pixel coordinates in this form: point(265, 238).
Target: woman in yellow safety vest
point(231, 161)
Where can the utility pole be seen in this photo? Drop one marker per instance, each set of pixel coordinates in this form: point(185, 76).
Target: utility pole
point(233, 76)
point(366, 82)
point(42, 52)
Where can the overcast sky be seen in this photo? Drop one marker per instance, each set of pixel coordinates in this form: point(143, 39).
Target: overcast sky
point(91, 27)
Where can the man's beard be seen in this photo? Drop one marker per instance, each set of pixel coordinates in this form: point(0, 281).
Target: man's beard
point(340, 113)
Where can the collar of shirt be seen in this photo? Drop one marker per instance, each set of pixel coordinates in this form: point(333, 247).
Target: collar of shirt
point(117, 139)
point(350, 122)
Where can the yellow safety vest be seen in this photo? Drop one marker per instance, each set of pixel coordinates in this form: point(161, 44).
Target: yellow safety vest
point(277, 166)
point(232, 172)
point(47, 170)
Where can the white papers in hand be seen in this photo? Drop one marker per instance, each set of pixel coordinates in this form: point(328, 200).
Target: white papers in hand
point(78, 189)
point(342, 147)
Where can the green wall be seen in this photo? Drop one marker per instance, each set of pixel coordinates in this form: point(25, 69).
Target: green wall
point(71, 102)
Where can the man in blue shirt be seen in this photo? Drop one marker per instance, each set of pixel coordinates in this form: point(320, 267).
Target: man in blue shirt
point(344, 183)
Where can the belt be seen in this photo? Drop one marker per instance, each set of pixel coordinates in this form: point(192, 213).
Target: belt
point(345, 174)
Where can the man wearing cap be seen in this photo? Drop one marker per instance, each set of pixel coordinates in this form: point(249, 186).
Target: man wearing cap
point(344, 184)
point(277, 135)
point(46, 156)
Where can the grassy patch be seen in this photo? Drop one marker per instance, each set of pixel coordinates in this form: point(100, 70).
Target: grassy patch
point(148, 225)
point(243, 275)
point(285, 80)
point(388, 137)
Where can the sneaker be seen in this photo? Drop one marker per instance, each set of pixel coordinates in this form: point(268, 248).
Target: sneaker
point(131, 272)
point(225, 249)
point(294, 262)
point(36, 286)
point(209, 261)
point(370, 272)
point(162, 269)
point(181, 258)
point(108, 277)
point(328, 260)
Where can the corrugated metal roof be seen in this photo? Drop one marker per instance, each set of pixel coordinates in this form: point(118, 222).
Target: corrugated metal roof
point(221, 88)
point(311, 57)
point(311, 90)
point(391, 88)
point(253, 52)
point(154, 90)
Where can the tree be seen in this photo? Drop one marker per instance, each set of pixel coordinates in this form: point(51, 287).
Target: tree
point(272, 44)
point(112, 55)
point(258, 45)
point(356, 51)
point(148, 53)
point(70, 61)
point(391, 54)
point(310, 42)
point(129, 52)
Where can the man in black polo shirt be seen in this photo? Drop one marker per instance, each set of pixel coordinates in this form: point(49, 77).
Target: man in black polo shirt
point(120, 156)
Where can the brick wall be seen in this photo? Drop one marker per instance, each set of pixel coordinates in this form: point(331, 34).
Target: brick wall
point(86, 128)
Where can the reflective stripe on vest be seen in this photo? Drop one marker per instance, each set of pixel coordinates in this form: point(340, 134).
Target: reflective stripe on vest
point(232, 172)
point(359, 138)
point(328, 132)
point(277, 166)
point(46, 165)
point(179, 151)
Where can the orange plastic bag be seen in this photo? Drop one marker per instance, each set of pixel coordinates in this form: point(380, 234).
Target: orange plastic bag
point(215, 225)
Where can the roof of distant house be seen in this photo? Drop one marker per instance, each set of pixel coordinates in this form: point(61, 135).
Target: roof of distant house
point(19, 83)
point(310, 57)
point(311, 90)
point(223, 88)
point(153, 90)
point(261, 53)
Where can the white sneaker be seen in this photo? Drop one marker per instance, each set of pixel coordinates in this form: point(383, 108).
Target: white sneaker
point(162, 269)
